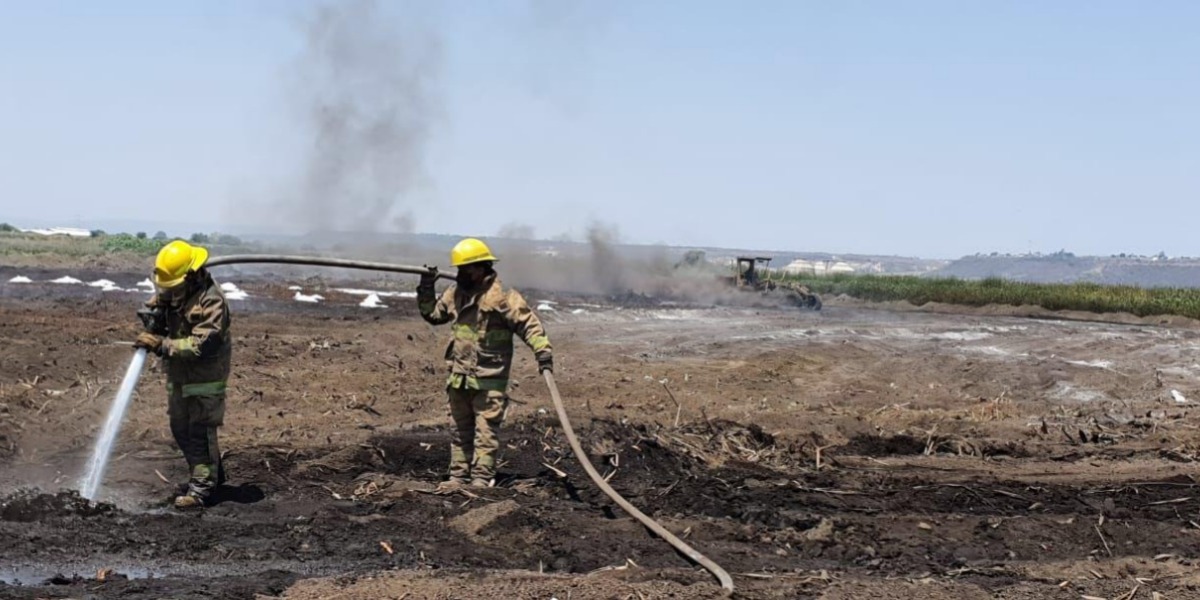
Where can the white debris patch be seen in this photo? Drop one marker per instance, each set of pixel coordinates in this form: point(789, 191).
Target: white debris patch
point(1182, 371)
point(1095, 364)
point(949, 336)
point(67, 279)
point(579, 311)
point(668, 316)
point(1179, 398)
point(372, 301)
point(295, 288)
point(20, 279)
point(358, 292)
point(961, 336)
point(233, 292)
point(311, 299)
point(146, 283)
point(1066, 391)
point(106, 286)
point(545, 307)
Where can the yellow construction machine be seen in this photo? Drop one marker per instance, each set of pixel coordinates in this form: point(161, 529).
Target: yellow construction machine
point(753, 273)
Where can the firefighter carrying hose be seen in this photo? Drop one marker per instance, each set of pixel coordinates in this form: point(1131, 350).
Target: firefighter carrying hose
point(187, 325)
point(485, 318)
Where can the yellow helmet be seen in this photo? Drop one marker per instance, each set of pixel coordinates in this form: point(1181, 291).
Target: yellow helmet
point(470, 251)
point(175, 261)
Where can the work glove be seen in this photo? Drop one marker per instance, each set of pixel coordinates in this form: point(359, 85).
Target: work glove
point(545, 364)
point(427, 279)
point(149, 341)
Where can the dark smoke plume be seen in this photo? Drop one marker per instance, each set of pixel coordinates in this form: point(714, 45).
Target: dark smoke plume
point(366, 88)
point(606, 265)
point(515, 231)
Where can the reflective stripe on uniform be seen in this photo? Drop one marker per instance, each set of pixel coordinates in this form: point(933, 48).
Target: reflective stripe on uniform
point(211, 388)
point(469, 382)
point(496, 337)
point(463, 331)
point(184, 346)
point(539, 342)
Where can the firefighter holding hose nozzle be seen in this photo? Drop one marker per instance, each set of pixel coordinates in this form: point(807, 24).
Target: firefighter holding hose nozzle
point(187, 325)
point(485, 318)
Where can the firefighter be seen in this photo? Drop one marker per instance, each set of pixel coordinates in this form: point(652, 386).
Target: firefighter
point(486, 316)
point(187, 325)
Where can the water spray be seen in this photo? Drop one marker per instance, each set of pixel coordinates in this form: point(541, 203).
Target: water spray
point(112, 426)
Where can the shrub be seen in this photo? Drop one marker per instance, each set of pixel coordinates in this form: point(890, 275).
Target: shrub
point(123, 242)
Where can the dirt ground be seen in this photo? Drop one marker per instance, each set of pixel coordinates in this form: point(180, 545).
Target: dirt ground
point(847, 454)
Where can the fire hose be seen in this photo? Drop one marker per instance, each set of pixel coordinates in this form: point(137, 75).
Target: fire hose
point(682, 547)
point(280, 259)
point(651, 524)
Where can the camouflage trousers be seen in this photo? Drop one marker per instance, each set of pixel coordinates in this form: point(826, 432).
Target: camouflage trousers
point(194, 422)
point(477, 416)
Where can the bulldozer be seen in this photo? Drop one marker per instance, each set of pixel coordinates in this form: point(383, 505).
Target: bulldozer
point(752, 273)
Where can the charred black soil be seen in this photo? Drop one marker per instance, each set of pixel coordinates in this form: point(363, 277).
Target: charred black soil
point(749, 504)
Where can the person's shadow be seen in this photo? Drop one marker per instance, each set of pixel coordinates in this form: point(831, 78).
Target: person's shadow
point(246, 493)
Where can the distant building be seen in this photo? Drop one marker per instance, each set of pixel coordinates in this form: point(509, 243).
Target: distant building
point(67, 231)
point(818, 267)
point(803, 267)
point(840, 268)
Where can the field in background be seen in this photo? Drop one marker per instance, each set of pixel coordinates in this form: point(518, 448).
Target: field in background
point(114, 251)
point(1088, 297)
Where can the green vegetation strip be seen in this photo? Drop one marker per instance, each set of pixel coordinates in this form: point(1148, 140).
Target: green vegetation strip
point(14, 242)
point(123, 242)
point(1091, 297)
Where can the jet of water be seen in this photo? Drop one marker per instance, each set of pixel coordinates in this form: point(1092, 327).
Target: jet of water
point(112, 426)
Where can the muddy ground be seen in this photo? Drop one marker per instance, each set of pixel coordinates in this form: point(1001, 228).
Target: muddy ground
point(851, 453)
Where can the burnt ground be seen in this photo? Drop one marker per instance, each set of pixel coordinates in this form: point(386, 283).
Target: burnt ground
point(844, 454)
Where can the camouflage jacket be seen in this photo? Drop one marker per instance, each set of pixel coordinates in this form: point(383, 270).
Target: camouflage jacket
point(197, 347)
point(480, 352)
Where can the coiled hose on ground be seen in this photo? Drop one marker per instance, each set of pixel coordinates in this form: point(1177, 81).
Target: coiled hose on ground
point(722, 576)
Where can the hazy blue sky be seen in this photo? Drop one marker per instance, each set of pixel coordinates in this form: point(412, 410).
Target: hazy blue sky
point(918, 128)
